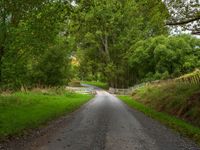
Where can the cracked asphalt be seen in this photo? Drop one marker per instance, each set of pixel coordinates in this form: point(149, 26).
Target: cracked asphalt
point(106, 123)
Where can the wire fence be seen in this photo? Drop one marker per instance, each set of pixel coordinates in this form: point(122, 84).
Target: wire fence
point(192, 78)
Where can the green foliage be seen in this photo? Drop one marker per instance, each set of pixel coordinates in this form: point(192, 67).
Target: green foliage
point(105, 30)
point(181, 126)
point(163, 57)
point(21, 111)
point(53, 67)
point(33, 46)
point(114, 41)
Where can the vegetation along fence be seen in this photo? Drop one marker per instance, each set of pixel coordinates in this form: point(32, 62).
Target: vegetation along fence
point(191, 78)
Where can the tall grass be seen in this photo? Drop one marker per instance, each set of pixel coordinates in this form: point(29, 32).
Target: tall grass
point(181, 100)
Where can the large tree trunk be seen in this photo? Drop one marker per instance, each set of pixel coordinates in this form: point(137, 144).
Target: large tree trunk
point(104, 49)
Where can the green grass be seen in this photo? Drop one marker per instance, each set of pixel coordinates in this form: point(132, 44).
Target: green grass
point(21, 111)
point(179, 125)
point(97, 84)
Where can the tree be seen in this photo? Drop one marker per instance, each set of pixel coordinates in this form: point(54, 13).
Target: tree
point(104, 31)
point(30, 30)
point(164, 56)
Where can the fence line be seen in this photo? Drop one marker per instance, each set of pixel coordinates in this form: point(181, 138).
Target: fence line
point(191, 78)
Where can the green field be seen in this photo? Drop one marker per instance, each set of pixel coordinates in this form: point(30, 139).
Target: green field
point(97, 84)
point(179, 125)
point(21, 111)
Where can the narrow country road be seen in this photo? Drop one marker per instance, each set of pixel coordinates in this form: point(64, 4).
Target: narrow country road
point(105, 123)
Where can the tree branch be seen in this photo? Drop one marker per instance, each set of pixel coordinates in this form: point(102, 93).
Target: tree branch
point(196, 32)
point(184, 21)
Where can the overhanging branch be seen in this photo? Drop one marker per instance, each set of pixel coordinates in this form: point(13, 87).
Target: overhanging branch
point(196, 32)
point(183, 21)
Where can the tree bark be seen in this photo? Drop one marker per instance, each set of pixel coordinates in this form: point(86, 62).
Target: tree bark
point(105, 50)
point(196, 32)
point(106, 47)
point(186, 21)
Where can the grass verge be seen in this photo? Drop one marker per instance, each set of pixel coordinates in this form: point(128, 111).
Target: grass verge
point(180, 100)
point(179, 125)
point(21, 111)
point(97, 84)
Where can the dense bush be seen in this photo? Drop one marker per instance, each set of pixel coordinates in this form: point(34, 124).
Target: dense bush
point(53, 68)
point(164, 56)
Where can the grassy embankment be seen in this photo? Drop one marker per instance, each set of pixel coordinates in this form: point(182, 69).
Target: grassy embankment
point(19, 111)
point(175, 105)
point(97, 84)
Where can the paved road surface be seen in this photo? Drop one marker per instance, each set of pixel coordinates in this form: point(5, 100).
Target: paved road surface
point(105, 123)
